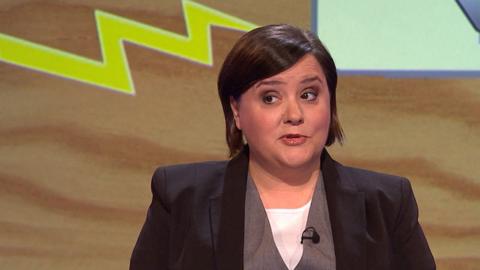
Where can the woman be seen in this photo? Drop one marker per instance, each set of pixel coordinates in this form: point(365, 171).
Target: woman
point(281, 202)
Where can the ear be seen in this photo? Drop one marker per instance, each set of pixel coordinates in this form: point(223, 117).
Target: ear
point(234, 106)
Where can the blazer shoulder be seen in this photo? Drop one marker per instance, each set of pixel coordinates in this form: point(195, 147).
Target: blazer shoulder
point(372, 181)
point(387, 191)
point(388, 197)
point(169, 182)
point(190, 169)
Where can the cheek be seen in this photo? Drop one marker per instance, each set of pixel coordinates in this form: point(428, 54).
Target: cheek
point(321, 120)
point(257, 123)
point(326, 117)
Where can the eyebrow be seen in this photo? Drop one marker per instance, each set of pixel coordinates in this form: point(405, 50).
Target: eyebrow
point(277, 82)
point(311, 79)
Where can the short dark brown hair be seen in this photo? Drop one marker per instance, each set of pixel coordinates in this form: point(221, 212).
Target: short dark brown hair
point(265, 52)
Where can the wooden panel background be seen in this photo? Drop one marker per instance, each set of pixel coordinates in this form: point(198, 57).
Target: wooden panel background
point(76, 160)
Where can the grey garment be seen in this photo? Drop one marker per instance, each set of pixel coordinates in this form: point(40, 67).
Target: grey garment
point(260, 251)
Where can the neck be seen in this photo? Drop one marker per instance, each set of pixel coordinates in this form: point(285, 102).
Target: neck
point(293, 177)
point(284, 187)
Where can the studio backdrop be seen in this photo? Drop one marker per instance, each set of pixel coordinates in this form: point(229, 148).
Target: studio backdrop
point(94, 95)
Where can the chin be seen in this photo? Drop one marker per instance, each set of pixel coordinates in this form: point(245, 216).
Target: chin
point(296, 161)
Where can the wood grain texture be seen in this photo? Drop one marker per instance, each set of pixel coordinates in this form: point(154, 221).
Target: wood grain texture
point(76, 160)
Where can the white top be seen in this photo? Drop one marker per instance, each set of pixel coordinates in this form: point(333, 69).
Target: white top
point(287, 226)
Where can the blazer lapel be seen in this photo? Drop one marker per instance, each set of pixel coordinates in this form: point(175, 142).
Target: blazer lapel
point(214, 213)
point(346, 208)
point(229, 250)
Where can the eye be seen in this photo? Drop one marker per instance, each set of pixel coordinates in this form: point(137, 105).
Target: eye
point(269, 99)
point(309, 95)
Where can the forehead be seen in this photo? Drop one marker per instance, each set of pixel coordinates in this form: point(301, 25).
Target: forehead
point(306, 67)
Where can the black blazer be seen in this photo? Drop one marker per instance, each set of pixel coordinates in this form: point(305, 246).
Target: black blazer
point(196, 218)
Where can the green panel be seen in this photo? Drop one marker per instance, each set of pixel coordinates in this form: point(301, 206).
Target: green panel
point(408, 35)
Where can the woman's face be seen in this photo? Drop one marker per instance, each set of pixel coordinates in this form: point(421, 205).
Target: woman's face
point(285, 118)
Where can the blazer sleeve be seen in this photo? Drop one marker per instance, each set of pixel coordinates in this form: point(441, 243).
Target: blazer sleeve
point(411, 247)
point(151, 249)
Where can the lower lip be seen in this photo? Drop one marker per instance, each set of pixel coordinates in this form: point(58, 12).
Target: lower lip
point(294, 141)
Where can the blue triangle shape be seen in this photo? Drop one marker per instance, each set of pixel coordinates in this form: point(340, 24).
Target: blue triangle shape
point(471, 8)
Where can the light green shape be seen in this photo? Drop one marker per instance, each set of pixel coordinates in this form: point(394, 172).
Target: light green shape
point(113, 71)
point(398, 35)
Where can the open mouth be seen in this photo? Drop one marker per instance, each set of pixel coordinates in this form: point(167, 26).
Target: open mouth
point(290, 136)
point(293, 139)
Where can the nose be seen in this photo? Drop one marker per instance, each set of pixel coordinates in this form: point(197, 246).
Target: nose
point(293, 113)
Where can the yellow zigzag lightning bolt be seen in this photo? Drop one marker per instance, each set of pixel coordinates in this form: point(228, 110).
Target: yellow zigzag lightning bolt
point(113, 72)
